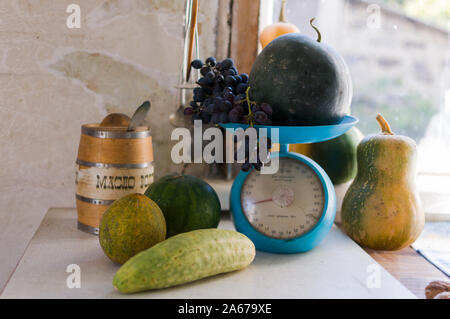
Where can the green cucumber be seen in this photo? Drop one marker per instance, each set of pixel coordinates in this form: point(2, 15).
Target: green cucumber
point(184, 258)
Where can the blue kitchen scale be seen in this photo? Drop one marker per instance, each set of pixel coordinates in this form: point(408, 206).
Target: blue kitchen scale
point(293, 209)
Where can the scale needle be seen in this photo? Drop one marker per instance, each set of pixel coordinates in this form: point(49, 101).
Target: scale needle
point(262, 201)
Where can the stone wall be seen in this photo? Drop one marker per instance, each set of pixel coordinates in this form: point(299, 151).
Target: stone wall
point(397, 66)
point(53, 79)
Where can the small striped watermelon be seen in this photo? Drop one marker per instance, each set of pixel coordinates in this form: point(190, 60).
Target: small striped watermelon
point(187, 202)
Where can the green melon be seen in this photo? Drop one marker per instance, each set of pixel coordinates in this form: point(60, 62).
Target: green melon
point(337, 156)
point(187, 202)
point(130, 225)
point(306, 82)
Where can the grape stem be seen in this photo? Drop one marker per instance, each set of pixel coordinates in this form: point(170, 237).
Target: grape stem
point(251, 121)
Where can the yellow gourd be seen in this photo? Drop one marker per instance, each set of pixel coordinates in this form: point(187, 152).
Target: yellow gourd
point(381, 209)
point(275, 30)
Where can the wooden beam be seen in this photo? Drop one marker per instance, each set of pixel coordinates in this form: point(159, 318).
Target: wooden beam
point(223, 30)
point(244, 33)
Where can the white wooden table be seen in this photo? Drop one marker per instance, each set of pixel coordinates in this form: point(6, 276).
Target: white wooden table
point(338, 268)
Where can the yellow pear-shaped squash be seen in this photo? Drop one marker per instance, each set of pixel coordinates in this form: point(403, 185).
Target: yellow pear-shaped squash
point(381, 209)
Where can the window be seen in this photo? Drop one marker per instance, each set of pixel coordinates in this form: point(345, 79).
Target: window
point(398, 55)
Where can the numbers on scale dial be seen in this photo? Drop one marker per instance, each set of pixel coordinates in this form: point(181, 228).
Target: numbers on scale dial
point(286, 204)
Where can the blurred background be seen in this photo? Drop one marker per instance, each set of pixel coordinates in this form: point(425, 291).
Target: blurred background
point(399, 57)
point(54, 78)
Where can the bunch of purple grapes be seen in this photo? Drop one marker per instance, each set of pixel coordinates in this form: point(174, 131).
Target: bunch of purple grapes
point(253, 153)
point(222, 97)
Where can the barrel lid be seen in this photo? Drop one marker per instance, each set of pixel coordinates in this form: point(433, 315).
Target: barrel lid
point(115, 125)
point(96, 130)
point(116, 119)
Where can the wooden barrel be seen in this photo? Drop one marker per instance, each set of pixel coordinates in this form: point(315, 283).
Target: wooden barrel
point(111, 163)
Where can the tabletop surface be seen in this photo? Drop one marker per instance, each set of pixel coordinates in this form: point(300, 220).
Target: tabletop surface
point(410, 268)
point(337, 268)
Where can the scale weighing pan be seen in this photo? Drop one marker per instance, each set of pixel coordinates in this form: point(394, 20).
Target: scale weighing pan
point(303, 134)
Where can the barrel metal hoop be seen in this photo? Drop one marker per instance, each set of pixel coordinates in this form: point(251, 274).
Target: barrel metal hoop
point(88, 229)
point(112, 165)
point(94, 201)
point(95, 132)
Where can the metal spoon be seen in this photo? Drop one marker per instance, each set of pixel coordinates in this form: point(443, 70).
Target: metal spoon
point(139, 116)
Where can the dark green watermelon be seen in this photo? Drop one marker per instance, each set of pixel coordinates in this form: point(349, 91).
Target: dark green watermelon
point(187, 202)
point(338, 156)
point(306, 82)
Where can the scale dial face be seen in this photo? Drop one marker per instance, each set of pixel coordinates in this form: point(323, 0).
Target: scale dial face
point(286, 204)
